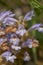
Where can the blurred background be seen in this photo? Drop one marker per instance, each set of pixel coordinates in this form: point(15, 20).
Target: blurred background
point(21, 7)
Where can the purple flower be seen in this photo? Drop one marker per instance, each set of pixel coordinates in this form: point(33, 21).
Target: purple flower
point(20, 27)
point(40, 29)
point(4, 14)
point(29, 15)
point(7, 18)
point(9, 21)
point(27, 43)
point(16, 47)
point(35, 27)
point(21, 32)
point(7, 53)
point(26, 57)
point(11, 58)
point(8, 57)
point(15, 41)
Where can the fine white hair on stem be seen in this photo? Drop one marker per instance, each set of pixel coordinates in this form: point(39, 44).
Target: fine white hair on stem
point(29, 15)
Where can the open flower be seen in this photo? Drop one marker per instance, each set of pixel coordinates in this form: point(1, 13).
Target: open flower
point(35, 27)
point(27, 43)
point(7, 53)
point(15, 47)
point(21, 32)
point(8, 57)
point(40, 29)
point(30, 43)
point(15, 41)
point(26, 56)
point(7, 18)
point(29, 15)
point(11, 58)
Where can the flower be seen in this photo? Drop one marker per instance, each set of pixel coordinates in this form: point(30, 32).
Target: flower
point(27, 43)
point(21, 32)
point(15, 41)
point(6, 53)
point(8, 57)
point(20, 27)
point(15, 47)
point(26, 57)
point(11, 58)
point(35, 27)
point(30, 43)
point(4, 14)
point(7, 18)
point(29, 15)
point(40, 29)
point(9, 21)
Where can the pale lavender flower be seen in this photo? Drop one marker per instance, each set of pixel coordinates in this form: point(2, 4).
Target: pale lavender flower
point(26, 57)
point(27, 43)
point(4, 14)
point(20, 27)
point(9, 21)
point(8, 57)
point(21, 32)
point(6, 53)
point(13, 35)
point(40, 29)
point(11, 58)
point(29, 15)
point(16, 47)
point(35, 27)
point(15, 41)
point(7, 18)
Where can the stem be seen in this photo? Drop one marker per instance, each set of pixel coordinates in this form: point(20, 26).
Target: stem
point(34, 49)
point(35, 55)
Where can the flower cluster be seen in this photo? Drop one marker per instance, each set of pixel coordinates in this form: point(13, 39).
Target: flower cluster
point(14, 36)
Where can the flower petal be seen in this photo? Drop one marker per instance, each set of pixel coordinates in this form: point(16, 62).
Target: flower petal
point(29, 15)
